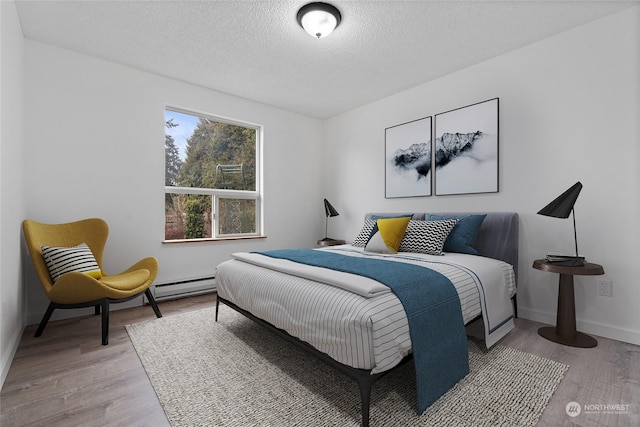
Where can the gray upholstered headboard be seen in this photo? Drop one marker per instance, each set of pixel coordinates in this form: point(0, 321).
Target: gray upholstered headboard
point(497, 237)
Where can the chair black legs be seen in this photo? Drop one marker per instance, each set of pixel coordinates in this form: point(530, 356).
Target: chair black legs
point(100, 307)
point(105, 322)
point(152, 301)
point(45, 319)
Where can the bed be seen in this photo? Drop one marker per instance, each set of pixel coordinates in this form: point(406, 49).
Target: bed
point(356, 324)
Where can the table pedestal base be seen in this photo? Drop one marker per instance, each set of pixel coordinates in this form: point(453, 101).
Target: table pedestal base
point(565, 330)
point(578, 340)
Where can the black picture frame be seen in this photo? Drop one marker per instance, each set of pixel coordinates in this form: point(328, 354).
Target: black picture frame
point(466, 149)
point(408, 159)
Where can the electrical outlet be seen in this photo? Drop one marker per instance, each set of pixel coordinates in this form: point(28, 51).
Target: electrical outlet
point(605, 288)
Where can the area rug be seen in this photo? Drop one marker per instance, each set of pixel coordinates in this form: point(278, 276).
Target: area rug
point(236, 373)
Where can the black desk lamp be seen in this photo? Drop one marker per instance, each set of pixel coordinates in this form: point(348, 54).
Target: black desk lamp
point(561, 207)
point(330, 211)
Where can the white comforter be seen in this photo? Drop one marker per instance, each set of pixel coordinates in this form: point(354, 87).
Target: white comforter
point(358, 321)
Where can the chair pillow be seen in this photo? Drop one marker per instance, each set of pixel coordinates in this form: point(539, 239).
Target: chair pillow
point(387, 235)
point(426, 237)
point(65, 260)
point(463, 235)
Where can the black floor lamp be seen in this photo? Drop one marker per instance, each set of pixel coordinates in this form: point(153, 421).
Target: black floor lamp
point(561, 207)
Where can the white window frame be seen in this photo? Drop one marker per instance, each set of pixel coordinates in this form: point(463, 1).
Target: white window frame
point(217, 194)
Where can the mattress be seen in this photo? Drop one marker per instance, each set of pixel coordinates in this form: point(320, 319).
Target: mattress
point(363, 330)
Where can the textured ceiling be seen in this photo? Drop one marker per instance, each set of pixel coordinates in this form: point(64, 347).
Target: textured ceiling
point(256, 50)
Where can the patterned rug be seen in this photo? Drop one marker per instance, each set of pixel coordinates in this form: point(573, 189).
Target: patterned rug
point(235, 373)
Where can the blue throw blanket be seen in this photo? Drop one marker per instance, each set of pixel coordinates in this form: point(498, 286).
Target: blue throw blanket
point(431, 302)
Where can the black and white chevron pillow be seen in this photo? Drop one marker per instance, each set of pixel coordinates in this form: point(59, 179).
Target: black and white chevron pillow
point(426, 237)
point(363, 237)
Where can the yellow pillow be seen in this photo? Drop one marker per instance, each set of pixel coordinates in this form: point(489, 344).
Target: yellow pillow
point(387, 235)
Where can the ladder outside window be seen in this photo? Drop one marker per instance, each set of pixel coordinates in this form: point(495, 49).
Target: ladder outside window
point(230, 177)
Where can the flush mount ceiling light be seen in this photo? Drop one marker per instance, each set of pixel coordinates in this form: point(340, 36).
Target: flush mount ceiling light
point(319, 19)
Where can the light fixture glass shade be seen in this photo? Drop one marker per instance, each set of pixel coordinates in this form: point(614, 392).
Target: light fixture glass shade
point(319, 19)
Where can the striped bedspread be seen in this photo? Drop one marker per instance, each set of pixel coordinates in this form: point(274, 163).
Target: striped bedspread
point(364, 327)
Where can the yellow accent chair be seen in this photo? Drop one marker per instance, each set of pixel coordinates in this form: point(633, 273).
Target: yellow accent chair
point(76, 289)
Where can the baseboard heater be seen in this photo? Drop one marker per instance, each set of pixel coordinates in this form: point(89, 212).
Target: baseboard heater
point(184, 288)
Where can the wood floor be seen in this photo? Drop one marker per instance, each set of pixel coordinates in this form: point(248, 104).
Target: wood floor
point(67, 378)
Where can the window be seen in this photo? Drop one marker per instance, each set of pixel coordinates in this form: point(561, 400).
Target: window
point(211, 177)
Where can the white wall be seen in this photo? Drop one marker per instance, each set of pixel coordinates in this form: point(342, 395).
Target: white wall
point(11, 191)
point(94, 137)
point(569, 109)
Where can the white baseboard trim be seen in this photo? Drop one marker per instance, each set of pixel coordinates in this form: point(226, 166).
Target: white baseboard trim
point(8, 355)
point(599, 329)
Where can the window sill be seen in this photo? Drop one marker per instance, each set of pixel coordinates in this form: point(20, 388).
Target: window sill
point(218, 239)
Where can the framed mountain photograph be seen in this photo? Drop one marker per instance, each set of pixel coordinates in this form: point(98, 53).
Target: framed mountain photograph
point(408, 159)
point(466, 149)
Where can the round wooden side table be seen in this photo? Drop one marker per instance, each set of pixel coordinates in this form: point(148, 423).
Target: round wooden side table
point(565, 330)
